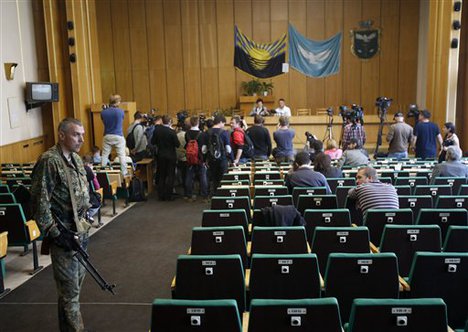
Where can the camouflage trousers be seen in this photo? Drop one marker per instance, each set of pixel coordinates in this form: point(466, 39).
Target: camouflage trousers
point(69, 275)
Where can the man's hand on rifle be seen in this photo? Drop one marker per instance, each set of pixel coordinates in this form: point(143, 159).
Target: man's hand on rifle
point(66, 240)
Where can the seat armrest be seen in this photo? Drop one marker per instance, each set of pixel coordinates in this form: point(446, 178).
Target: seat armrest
point(113, 186)
point(33, 230)
point(373, 248)
point(101, 192)
point(245, 321)
point(249, 248)
point(322, 282)
point(3, 244)
point(173, 284)
point(247, 279)
point(404, 286)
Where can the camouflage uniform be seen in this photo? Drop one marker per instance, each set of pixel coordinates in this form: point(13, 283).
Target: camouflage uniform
point(50, 192)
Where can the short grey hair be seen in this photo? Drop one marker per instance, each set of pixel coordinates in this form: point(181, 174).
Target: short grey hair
point(65, 124)
point(453, 153)
point(369, 172)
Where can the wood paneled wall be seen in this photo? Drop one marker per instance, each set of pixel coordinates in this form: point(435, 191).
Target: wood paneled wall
point(24, 151)
point(178, 54)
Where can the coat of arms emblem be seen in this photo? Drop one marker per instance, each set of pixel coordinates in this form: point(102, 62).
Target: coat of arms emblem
point(365, 42)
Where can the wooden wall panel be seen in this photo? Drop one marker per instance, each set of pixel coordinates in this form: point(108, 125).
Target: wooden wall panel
point(179, 54)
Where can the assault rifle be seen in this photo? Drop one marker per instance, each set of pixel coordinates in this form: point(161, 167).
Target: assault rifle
point(83, 257)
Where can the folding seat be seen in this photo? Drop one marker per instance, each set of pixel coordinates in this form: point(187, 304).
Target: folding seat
point(433, 190)
point(233, 191)
point(356, 214)
point(376, 219)
point(325, 218)
point(209, 277)
point(403, 190)
point(305, 202)
point(260, 176)
point(463, 191)
point(3, 252)
point(405, 240)
point(284, 276)
point(307, 191)
point(19, 180)
point(7, 198)
point(4, 189)
point(386, 179)
point(456, 239)
point(222, 218)
point(279, 240)
point(234, 183)
point(327, 240)
point(228, 240)
point(294, 315)
point(350, 276)
point(236, 176)
point(443, 218)
point(452, 202)
point(21, 233)
point(333, 183)
point(279, 182)
point(442, 275)
point(270, 190)
point(411, 181)
point(349, 174)
point(415, 203)
point(266, 201)
point(405, 315)
point(109, 188)
point(195, 315)
point(454, 182)
point(391, 174)
point(231, 203)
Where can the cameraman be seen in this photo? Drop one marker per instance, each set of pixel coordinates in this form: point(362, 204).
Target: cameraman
point(399, 137)
point(354, 129)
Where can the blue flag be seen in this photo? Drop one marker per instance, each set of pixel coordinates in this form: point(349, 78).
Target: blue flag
point(314, 58)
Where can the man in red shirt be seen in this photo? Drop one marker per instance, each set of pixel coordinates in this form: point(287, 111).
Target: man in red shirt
point(237, 140)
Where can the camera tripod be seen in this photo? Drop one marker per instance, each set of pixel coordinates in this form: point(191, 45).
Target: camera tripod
point(329, 131)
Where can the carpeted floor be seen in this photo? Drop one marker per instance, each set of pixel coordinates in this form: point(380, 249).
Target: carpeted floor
point(137, 251)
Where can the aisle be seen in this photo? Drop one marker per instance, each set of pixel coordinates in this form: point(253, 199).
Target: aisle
point(137, 251)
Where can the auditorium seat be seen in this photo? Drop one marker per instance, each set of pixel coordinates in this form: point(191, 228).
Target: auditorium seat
point(284, 276)
point(233, 191)
point(456, 239)
point(4, 189)
point(236, 176)
point(195, 315)
point(411, 181)
point(267, 201)
point(19, 180)
point(7, 198)
point(403, 315)
point(3, 252)
point(386, 179)
point(333, 183)
point(325, 218)
point(452, 202)
point(305, 202)
point(207, 277)
point(433, 190)
point(404, 190)
point(454, 182)
point(350, 276)
point(234, 183)
point(341, 195)
point(327, 240)
point(222, 218)
point(356, 214)
point(232, 203)
point(261, 190)
point(279, 182)
point(376, 219)
point(227, 240)
point(405, 240)
point(415, 203)
point(261, 176)
point(21, 233)
point(463, 190)
point(295, 315)
point(444, 218)
point(307, 191)
point(109, 188)
point(279, 240)
point(442, 275)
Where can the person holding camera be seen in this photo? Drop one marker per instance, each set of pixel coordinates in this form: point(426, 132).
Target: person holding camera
point(138, 141)
point(353, 130)
point(426, 135)
point(400, 136)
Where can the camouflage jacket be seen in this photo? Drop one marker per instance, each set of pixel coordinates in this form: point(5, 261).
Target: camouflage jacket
point(50, 189)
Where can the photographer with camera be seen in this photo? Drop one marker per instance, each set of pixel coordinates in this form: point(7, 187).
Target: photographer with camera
point(426, 135)
point(399, 137)
point(353, 127)
point(136, 139)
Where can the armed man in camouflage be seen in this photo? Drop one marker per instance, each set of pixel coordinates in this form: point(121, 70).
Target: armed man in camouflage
point(52, 199)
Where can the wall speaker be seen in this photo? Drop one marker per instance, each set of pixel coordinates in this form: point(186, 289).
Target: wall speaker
point(457, 6)
point(71, 41)
point(73, 58)
point(70, 25)
point(456, 25)
point(454, 43)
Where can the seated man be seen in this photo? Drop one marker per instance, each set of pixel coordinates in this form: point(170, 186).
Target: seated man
point(370, 193)
point(452, 167)
point(303, 175)
point(353, 156)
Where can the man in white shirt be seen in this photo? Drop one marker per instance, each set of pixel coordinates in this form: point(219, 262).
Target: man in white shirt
point(282, 110)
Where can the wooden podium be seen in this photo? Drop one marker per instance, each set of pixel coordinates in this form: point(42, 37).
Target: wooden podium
point(246, 103)
point(129, 109)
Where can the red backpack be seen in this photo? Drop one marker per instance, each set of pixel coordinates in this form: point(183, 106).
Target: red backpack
point(192, 153)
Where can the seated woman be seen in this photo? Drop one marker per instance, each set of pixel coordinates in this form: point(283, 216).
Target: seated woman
point(259, 108)
point(332, 150)
point(322, 164)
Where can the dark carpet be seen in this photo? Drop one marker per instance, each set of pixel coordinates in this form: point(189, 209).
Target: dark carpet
point(137, 251)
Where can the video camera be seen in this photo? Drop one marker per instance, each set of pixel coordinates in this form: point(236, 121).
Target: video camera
point(383, 102)
point(309, 137)
point(355, 113)
point(181, 117)
point(413, 111)
point(330, 111)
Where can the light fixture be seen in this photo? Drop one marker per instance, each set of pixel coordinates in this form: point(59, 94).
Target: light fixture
point(10, 68)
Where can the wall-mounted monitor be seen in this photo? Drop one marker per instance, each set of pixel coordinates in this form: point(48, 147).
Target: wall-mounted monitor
point(40, 92)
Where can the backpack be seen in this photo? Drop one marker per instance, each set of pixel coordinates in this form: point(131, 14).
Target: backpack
point(131, 142)
point(248, 150)
point(192, 152)
point(137, 190)
point(215, 145)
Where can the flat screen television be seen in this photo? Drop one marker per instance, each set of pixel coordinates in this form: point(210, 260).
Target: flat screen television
point(37, 92)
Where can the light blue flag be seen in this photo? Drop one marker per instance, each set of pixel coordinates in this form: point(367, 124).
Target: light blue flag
point(314, 58)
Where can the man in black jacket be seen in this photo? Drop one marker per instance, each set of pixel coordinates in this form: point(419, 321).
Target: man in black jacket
point(165, 138)
point(260, 137)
